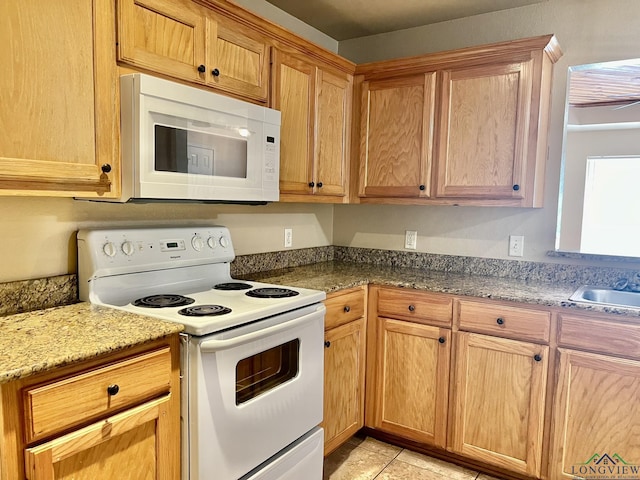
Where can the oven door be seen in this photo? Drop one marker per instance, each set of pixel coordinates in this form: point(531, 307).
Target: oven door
point(252, 391)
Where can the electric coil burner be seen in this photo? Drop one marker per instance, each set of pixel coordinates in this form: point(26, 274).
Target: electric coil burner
point(271, 292)
point(251, 353)
point(204, 311)
point(163, 301)
point(232, 286)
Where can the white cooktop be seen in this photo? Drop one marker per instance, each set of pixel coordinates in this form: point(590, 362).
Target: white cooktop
point(119, 266)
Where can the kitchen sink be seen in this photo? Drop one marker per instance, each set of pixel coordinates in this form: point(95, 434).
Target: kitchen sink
point(607, 296)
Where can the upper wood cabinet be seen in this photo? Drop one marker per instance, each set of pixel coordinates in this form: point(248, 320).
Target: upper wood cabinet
point(190, 42)
point(466, 127)
point(59, 117)
point(315, 135)
point(396, 135)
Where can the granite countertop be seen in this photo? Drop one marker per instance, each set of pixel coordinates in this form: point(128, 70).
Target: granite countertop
point(334, 276)
point(38, 341)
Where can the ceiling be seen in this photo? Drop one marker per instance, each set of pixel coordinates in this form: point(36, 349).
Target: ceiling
point(345, 19)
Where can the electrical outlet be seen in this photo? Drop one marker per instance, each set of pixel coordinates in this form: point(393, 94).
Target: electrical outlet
point(410, 239)
point(516, 245)
point(288, 237)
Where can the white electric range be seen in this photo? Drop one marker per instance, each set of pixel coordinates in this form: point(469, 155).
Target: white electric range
point(252, 353)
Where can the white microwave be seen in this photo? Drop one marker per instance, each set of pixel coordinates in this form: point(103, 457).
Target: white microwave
point(181, 143)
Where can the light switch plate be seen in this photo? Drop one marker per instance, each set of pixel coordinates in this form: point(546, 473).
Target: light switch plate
point(516, 245)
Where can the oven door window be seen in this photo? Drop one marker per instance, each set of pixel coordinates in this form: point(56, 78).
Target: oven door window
point(266, 370)
point(179, 150)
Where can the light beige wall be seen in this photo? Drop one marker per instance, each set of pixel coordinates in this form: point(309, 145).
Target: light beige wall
point(282, 18)
point(589, 31)
point(38, 234)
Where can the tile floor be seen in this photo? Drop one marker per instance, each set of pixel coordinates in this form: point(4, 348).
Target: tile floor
point(367, 459)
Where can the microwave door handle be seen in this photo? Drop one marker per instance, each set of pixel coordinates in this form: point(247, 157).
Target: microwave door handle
point(213, 345)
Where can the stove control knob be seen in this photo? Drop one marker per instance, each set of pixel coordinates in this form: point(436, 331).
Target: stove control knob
point(224, 242)
point(109, 249)
point(197, 242)
point(127, 248)
point(211, 242)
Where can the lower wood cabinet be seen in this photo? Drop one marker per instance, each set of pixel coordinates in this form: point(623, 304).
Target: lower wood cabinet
point(597, 418)
point(498, 401)
point(344, 366)
point(114, 417)
point(409, 390)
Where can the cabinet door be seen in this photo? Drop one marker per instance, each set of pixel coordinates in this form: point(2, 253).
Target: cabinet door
point(482, 139)
point(166, 36)
point(58, 91)
point(396, 136)
point(132, 444)
point(333, 122)
point(498, 401)
point(411, 383)
point(237, 59)
point(597, 418)
point(344, 357)
point(294, 95)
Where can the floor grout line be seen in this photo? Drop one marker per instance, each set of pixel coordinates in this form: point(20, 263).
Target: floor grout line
point(388, 463)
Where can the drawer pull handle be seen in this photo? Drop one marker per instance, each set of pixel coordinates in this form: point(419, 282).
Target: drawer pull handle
point(347, 309)
point(442, 340)
point(327, 344)
point(113, 389)
point(412, 308)
point(537, 357)
point(500, 321)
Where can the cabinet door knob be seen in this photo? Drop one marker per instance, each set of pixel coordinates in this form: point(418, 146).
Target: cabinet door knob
point(422, 187)
point(215, 72)
point(202, 68)
point(312, 184)
point(442, 340)
point(537, 357)
point(113, 389)
point(327, 344)
point(347, 309)
point(516, 187)
point(500, 321)
point(106, 168)
point(412, 308)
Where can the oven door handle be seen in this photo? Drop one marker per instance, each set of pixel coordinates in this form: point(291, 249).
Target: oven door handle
point(213, 345)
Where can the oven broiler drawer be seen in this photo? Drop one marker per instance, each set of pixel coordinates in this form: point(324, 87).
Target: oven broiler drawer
point(60, 405)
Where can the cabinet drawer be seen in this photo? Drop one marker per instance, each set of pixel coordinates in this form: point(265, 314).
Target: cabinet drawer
point(344, 307)
point(504, 321)
point(599, 335)
point(59, 405)
point(416, 306)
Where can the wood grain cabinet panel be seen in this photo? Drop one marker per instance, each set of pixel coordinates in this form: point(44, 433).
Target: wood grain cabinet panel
point(238, 59)
point(498, 402)
point(408, 393)
point(52, 407)
point(59, 115)
point(595, 414)
point(163, 36)
point(484, 121)
point(396, 134)
point(344, 364)
point(344, 307)
point(315, 131)
point(132, 444)
point(415, 306)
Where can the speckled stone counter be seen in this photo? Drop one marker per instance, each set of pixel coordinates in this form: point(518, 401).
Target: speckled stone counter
point(45, 339)
point(333, 276)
